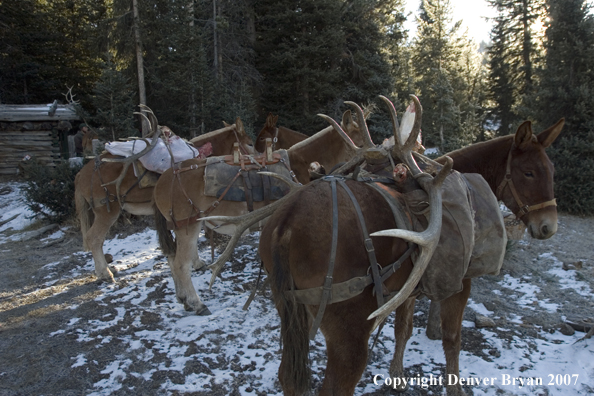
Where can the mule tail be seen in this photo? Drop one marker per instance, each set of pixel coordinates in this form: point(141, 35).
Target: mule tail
point(294, 372)
point(85, 215)
point(166, 241)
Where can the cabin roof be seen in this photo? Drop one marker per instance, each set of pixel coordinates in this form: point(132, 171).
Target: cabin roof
point(43, 112)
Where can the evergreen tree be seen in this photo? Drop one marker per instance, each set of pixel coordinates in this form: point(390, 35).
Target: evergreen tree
point(501, 78)
point(514, 57)
point(299, 48)
point(446, 74)
point(566, 90)
point(114, 100)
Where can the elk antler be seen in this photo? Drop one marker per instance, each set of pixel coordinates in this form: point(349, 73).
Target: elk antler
point(428, 239)
point(242, 223)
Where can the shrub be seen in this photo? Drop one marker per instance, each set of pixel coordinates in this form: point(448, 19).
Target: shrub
point(50, 191)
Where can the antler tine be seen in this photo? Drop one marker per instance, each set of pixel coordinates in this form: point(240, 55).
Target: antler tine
point(404, 151)
point(367, 142)
point(340, 131)
point(242, 223)
point(392, 110)
point(427, 241)
point(152, 119)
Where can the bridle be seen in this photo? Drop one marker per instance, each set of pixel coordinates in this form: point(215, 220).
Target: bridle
point(507, 181)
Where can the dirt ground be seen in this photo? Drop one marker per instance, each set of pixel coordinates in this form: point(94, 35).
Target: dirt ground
point(44, 309)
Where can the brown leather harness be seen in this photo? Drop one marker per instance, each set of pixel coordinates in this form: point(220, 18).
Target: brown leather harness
point(376, 275)
point(507, 181)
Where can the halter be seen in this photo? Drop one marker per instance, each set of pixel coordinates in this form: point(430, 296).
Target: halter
point(275, 139)
point(507, 180)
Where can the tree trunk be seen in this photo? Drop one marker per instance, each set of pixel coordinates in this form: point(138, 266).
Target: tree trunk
point(192, 78)
point(215, 39)
point(140, 65)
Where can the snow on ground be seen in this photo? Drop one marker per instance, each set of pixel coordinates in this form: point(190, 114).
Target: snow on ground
point(233, 346)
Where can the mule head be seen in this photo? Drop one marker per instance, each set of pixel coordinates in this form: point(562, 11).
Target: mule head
point(527, 187)
point(269, 131)
point(351, 128)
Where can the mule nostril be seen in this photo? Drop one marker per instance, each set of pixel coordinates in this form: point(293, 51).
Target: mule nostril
point(545, 230)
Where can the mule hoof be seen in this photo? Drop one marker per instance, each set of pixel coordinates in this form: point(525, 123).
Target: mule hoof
point(108, 258)
point(113, 270)
point(204, 311)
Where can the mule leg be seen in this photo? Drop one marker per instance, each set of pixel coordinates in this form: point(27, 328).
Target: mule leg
point(452, 310)
point(347, 332)
point(95, 237)
point(403, 328)
point(433, 322)
point(186, 239)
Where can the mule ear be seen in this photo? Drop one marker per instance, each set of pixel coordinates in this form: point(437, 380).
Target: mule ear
point(225, 124)
point(523, 135)
point(275, 120)
point(347, 120)
point(548, 136)
point(239, 126)
point(269, 120)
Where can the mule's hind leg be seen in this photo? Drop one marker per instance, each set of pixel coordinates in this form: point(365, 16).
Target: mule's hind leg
point(95, 237)
point(347, 330)
point(403, 327)
point(452, 310)
point(186, 239)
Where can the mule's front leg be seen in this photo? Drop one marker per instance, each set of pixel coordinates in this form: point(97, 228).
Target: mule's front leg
point(452, 310)
point(186, 239)
point(95, 237)
point(403, 327)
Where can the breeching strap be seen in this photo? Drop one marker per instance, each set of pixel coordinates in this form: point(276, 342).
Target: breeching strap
point(507, 181)
point(375, 273)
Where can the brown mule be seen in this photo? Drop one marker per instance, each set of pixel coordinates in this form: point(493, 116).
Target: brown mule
point(99, 204)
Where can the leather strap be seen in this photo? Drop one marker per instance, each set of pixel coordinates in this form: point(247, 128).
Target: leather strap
point(327, 288)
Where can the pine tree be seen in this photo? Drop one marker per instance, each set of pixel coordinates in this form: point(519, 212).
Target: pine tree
point(566, 90)
point(446, 74)
point(114, 100)
point(515, 56)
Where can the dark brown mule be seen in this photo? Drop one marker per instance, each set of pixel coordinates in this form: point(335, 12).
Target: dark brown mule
point(316, 229)
point(99, 206)
point(520, 174)
point(181, 197)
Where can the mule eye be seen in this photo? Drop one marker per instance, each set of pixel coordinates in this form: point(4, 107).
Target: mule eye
point(529, 174)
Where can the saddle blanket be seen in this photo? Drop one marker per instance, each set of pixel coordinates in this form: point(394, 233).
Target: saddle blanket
point(218, 175)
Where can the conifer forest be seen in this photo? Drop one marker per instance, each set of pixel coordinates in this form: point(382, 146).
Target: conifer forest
point(196, 63)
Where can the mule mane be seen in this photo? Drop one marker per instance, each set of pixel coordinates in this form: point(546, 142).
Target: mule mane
point(209, 135)
point(487, 158)
point(291, 132)
point(319, 135)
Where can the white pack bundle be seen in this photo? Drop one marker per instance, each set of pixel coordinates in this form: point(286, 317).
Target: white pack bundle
point(158, 159)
